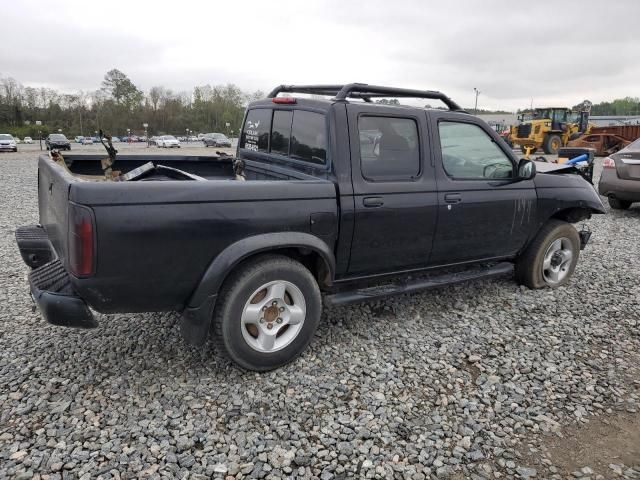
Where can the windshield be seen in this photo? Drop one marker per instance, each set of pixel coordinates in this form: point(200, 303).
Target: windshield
point(58, 136)
point(169, 137)
point(4, 136)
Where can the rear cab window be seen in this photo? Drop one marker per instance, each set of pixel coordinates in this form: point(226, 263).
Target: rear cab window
point(298, 135)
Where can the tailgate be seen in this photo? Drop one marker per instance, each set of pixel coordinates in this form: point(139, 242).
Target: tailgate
point(53, 203)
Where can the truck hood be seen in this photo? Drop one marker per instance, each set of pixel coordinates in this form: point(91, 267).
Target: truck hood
point(546, 167)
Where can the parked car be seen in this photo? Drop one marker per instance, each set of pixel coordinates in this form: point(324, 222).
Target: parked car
point(620, 179)
point(8, 143)
point(307, 207)
point(87, 141)
point(193, 138)
point(57, 141)
point(28, 140)
point(78, 139)
point(115, 140)
point(17, 139)
point(216, 140)
point(167, 141)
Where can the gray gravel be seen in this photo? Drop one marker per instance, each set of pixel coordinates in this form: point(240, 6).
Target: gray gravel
point(446, 384)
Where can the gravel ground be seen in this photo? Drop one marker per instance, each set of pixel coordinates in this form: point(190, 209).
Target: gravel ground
point(468, 381)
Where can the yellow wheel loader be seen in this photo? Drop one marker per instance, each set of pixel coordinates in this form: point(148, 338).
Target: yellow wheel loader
point(550, 128)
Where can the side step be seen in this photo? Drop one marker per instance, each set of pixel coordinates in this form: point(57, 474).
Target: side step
point(417, 284)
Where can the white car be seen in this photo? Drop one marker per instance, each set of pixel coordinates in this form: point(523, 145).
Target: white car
point(8, 143)
point(28, 140)
point(167, 141)
point(78, 139)
point(86, 140)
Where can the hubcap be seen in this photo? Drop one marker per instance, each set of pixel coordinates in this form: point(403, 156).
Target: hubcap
point(557, 261)
point(273, 316)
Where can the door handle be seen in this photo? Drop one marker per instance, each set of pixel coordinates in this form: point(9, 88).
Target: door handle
point(372, 202)
point(452, 198)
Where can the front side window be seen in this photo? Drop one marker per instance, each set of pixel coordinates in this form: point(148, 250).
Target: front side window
point(308, 137)
point(389, 148)
point(468, 152)
point(255, 134)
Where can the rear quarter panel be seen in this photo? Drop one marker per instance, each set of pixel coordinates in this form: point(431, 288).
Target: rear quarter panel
point(156, 239)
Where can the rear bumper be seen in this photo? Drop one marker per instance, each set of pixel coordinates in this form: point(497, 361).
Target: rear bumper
point(611, 185)
point(49, 282)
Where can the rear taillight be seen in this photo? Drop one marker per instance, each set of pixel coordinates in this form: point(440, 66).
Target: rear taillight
point(608, 163)
point(81, 241)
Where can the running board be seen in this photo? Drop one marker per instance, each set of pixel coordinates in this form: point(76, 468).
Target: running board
point(417, 284)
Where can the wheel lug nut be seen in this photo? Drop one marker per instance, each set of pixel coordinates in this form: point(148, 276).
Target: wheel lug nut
point(264, 308)
point(270, 326)
point(281, 309)
point(279, 320)
point(274, 303)
point(262, 320)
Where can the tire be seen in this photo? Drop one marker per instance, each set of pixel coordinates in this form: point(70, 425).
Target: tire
point(552, 144)
point(542, 264)
point(260, 281)
point(617, 204)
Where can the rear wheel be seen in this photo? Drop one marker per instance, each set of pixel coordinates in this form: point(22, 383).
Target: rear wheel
point(552, 144)
point(267, 313)
point(551, 258)
point(617, 204)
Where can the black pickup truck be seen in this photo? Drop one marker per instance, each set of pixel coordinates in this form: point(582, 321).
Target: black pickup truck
point(342, 197)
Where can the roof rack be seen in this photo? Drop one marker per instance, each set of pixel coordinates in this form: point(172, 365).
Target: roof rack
point(364, 92)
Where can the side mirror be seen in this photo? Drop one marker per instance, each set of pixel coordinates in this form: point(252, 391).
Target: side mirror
point(526, 169)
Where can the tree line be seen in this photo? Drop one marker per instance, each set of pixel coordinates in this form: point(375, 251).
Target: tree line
point(118, 106)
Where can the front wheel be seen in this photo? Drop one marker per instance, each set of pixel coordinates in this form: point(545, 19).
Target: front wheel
point(551, 258)
point(552, 144)
point(267, 313)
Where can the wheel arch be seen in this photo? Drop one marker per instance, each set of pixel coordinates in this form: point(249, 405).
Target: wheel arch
point(308, 249)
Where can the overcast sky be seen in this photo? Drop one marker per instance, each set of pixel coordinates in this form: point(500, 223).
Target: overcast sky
point(550, 51)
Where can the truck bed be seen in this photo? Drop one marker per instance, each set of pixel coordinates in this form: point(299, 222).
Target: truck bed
point(144, 229)
point(211, 167)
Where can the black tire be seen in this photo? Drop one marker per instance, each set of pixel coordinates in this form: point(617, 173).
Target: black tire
point(552, 143)
point(529, 265)
point(237, 291)
point(618, 204)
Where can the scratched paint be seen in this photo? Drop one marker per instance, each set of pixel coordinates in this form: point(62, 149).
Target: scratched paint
point(521, 213)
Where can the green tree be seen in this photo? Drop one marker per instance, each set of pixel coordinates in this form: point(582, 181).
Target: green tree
point(121, 89)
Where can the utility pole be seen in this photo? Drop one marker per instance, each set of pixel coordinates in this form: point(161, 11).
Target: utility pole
point(477, 93)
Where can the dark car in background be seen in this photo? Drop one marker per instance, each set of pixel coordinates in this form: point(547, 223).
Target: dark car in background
point(620, 179)
point(216, 140)
point(57, 141)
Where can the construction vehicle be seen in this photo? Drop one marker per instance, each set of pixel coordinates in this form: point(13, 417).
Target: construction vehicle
point(550, 128)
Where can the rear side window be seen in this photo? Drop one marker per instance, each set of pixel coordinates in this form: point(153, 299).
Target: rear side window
point(281, 131)
point(308, 137)
point(257, 127)
point(389, 148)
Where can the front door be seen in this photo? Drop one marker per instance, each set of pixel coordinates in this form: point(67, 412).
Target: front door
point(482, 212)
point(394, 189)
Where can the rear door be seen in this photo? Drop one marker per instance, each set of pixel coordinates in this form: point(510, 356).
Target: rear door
point(482, 212)
point(394, 189)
